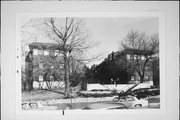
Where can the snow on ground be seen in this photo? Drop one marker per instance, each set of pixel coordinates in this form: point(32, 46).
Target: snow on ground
point(95, 87)
point(143, 85)
point(76, 100)
point(90, 99)
point(119, 87)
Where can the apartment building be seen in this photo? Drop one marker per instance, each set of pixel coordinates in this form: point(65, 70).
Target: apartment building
point(46, 61)
point(127, 66)
point(137, 62)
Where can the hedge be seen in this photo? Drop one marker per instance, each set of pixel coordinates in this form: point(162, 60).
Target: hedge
point(95, 93)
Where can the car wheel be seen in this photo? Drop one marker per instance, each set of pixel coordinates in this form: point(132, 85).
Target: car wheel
point(138, 105)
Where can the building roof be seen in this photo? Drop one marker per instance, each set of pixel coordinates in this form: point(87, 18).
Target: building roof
point(42, 46)
point(136, 51)
point(129, 51)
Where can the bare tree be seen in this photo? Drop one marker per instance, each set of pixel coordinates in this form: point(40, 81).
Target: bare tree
point(67, 33)
point(142, 45)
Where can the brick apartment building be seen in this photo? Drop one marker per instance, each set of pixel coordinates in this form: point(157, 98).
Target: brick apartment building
point(118, 67)
point(44, 64)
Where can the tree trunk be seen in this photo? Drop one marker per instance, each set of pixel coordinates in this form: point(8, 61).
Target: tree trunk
point(30, 84)
point(30, 76)
point(26, 87)
point(29, 71)
point(66, 76)
point(141, 79)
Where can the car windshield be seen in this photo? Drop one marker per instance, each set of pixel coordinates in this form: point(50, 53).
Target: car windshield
point(130, 99)
point(122, 99)
point(115, 99)
point(33, 105)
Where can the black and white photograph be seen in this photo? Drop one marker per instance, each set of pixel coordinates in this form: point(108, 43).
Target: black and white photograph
point(89, 60)
point(89, 63)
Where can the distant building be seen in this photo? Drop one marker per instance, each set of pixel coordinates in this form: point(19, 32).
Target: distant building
point(122, 62)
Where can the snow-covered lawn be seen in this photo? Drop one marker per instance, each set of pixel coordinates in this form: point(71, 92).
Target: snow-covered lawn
point(76, 100)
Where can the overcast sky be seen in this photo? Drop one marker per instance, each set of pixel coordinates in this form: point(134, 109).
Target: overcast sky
point(109, 32)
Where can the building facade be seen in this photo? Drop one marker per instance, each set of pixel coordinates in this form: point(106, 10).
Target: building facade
point(127, 66)
point(44, 65)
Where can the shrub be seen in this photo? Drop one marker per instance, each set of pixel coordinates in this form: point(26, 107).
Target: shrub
point(141, 95)
point(114, 92)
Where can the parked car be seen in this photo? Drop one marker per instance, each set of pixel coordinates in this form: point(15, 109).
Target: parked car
point(131, 101)
point(36, 106)
point(105, 106)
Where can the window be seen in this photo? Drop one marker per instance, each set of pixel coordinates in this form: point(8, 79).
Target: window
point(51, 78)
point(147, 78)
point(132, 57)
point(139, 57)
point(61, 67)
point(142, 58)
point(132, 78)
point(56, 52)
point(40, 65)
point(46, 52)
point(110, 57)
point(51, 53)
point(116, 54)
point(128, 56)
point(135, 57)
point(40, 78)
point(130, 99)
point(146, 68)
point(35, 51)
point(40, 52)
